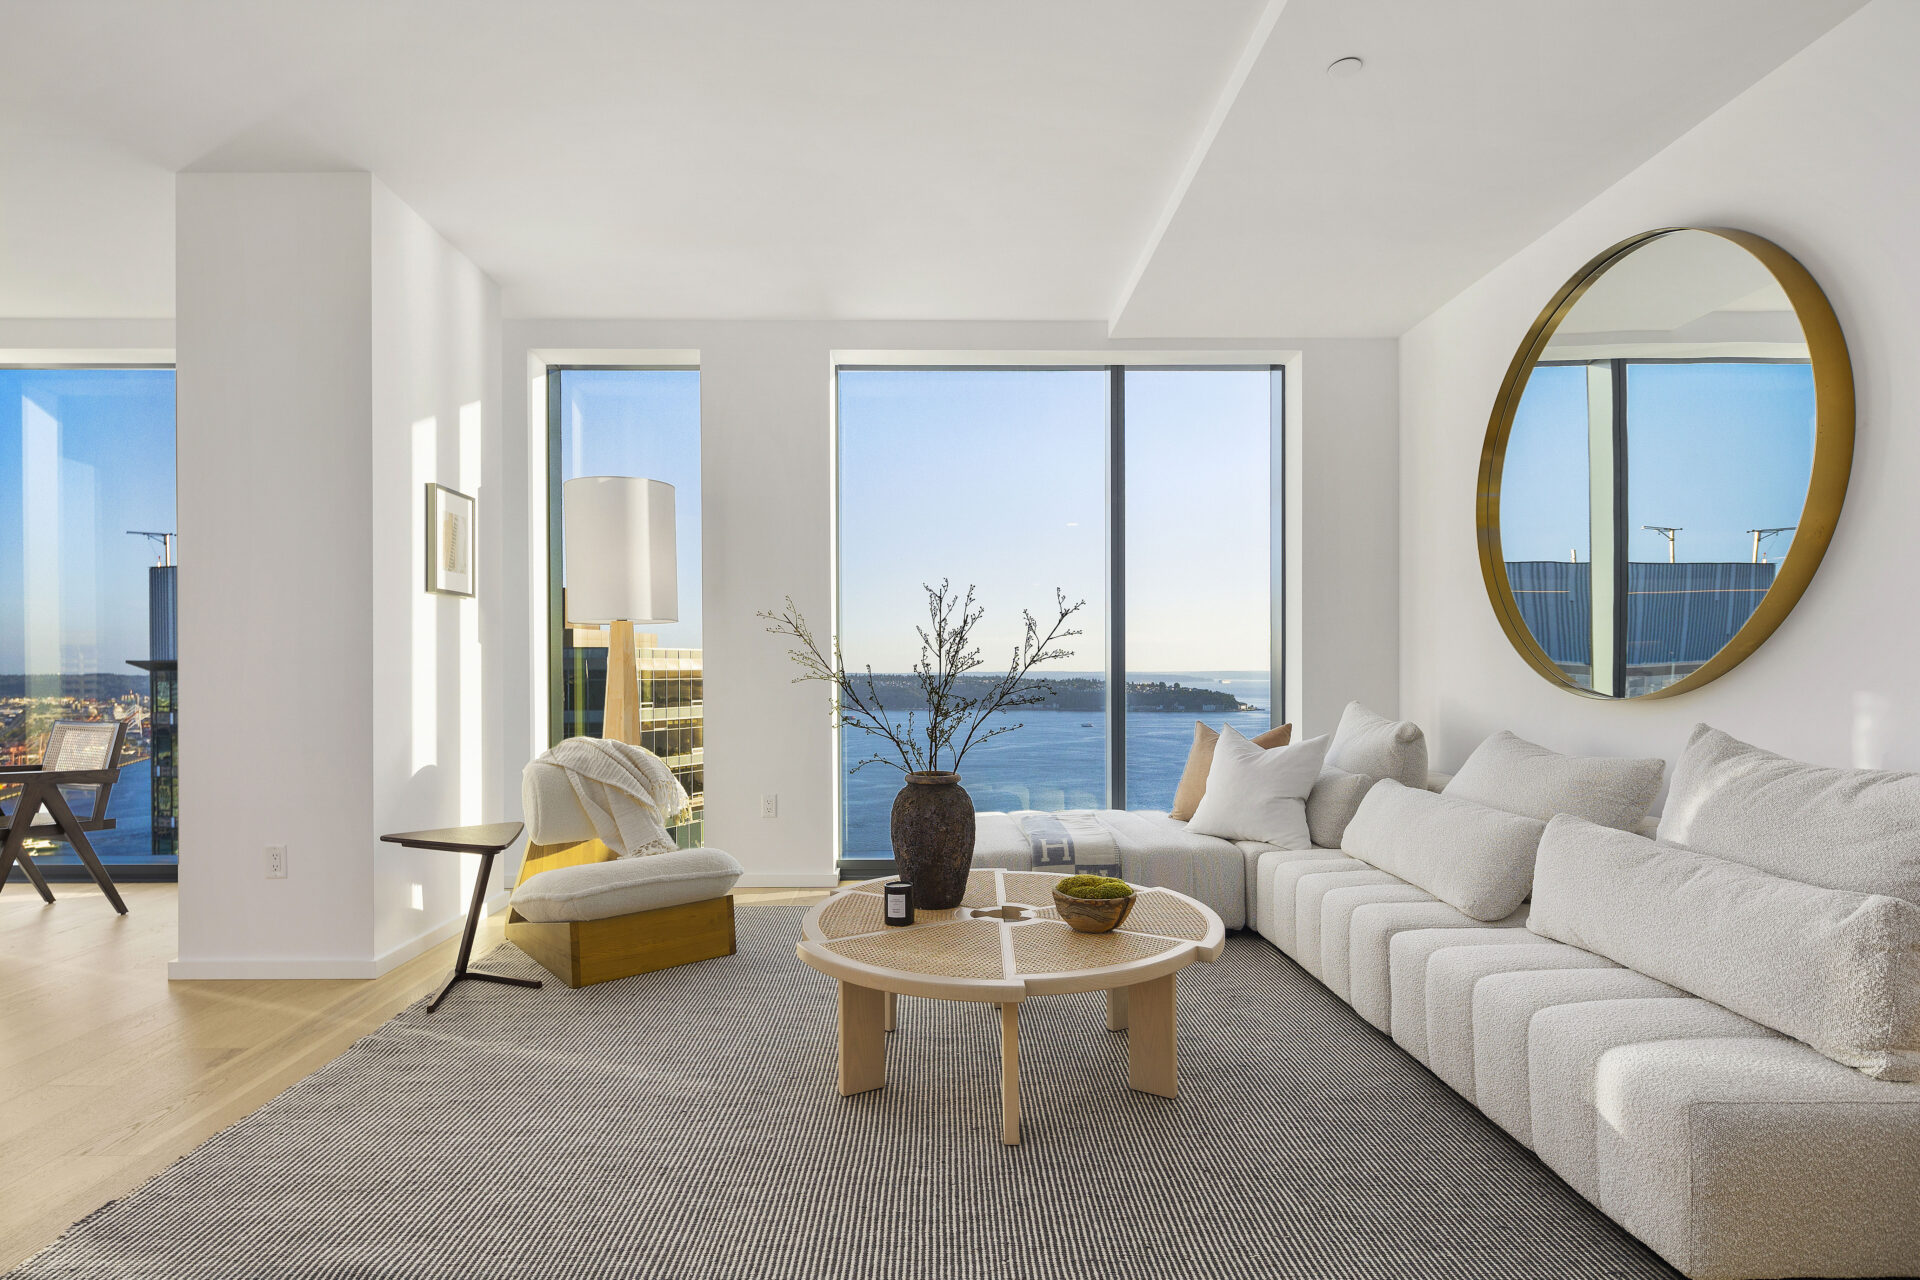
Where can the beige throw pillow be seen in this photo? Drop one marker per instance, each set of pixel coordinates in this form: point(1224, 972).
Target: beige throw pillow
point(1193, 778)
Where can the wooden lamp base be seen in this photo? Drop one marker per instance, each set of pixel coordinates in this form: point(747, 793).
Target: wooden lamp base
point(621, 722)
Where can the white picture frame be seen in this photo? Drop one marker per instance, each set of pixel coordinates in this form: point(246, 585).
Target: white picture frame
point(450, 519)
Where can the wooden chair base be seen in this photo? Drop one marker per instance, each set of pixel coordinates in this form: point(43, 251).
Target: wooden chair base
point(583, 952)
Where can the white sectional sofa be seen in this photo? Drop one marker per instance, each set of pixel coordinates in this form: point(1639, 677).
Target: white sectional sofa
point(1733, 1149)
point(1155, 848)
point(1671, 1092)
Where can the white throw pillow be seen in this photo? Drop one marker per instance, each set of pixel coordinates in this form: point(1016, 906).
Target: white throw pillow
point(1516, 775)
point(1835, 969)
point(1257, 793)
point(1379, 748)
point(1856, 829)
point(1477, 859)
point(1335, 798)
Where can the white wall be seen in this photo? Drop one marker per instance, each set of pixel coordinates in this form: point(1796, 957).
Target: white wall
point(317, 320)
point(438, 693)
point(767, 458)
point(1819, 157)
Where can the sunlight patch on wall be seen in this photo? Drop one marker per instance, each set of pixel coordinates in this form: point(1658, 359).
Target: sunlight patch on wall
point(425, 674)
point(472, 712)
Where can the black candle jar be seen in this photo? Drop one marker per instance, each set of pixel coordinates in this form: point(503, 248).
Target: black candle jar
point(899, 902)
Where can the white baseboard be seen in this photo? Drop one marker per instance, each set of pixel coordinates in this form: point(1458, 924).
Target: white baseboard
point(243, 968)
point(789, 880)
point(393, 957)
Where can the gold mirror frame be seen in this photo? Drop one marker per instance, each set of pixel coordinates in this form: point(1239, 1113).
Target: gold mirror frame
point(1826, 486)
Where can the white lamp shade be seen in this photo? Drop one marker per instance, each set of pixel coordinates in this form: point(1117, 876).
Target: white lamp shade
point(619, 550)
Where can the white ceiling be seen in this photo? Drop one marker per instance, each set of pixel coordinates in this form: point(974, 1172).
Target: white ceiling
point(1355, 207)
point(994, 159)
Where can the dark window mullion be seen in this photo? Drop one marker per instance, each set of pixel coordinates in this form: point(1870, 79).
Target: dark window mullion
point(1117, 587)
point(1620, 531)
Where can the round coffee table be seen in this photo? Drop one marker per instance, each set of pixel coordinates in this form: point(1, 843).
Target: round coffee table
point(1005, 942)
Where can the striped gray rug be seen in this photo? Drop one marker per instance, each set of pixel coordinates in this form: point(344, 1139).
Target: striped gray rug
point(685, 1124)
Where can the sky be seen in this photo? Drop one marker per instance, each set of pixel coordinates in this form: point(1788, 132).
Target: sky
point(85, 455)
point(644, 423)
point(1714, 449)
point(997, 478)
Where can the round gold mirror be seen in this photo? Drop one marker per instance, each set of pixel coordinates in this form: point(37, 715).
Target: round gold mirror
point(1665, 463)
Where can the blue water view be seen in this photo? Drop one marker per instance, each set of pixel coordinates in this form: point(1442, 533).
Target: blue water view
point(130, 806)
point(1058, 759)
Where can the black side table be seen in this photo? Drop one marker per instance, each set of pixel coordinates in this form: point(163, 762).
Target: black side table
point(486, 840)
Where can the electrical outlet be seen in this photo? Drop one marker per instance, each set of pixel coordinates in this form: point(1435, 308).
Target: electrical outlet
point(770, 805)
point(276, 862)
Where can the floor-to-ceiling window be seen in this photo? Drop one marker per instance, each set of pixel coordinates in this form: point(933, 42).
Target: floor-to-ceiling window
point(87, 591)
point(1199, 519)
point(1147, 493)
point(643, 423)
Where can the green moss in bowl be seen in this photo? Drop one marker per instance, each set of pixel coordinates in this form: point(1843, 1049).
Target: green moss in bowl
point(1094, 887)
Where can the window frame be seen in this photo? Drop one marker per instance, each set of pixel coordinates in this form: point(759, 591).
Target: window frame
point(149, 870)
point(1275, 367)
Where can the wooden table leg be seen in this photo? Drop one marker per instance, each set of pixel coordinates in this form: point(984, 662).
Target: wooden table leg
point(1010, 1074)
point(863, 1039)
point(893, 1011)
point(1117, 1009)
point(1151, 1037)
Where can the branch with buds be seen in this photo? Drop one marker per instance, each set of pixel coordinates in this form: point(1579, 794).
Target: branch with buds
point(954, 722)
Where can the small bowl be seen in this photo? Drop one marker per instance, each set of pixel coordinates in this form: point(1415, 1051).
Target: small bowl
point(1093, 915)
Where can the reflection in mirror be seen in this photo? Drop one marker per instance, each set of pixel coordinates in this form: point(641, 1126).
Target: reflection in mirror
point(1658, 463)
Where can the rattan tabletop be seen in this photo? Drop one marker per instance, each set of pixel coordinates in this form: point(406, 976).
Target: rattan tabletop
point(1004, 942)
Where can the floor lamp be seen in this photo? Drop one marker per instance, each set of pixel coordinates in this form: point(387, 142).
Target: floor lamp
point(620, 571)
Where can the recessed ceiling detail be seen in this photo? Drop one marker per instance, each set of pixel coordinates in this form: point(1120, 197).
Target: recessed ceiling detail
point(1175, 170)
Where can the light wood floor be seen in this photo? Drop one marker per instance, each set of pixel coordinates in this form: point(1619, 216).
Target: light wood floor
point(111, 1072)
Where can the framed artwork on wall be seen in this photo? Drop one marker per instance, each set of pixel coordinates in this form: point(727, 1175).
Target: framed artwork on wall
point(449, 541)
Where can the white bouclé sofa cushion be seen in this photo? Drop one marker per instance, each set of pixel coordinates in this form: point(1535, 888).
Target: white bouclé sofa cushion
point(1370, 744)
point(1841, 828)
point(1455, 973)
point(1754, 1157)
point(1257, 793)
point(1370, 935)
point(1472, 857)
point(1335, 798)
point(622, 886)
point(1506, 772)
point(1835, 969)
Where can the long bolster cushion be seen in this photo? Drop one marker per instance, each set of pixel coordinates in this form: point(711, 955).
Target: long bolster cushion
point(1837, 970)
point(1839, 828)
point(1506, 772)
point(1476, 858)
point(602, 890)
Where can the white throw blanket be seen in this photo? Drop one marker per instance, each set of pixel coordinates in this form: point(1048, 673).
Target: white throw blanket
point(628, 792)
